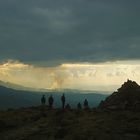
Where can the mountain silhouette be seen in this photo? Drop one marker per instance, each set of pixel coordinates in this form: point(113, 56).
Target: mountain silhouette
point(11, 98)
point(126, 97)
point(20, 87)
point(41, 122)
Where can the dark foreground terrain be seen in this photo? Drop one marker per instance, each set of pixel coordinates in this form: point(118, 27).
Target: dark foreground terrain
point(37, 123)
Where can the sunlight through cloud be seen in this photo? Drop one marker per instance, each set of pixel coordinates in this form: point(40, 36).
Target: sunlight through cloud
point(82, 76)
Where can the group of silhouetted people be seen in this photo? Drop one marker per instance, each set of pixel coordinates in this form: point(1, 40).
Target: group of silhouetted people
point(63, 101)
point(51, 100)
point(86, 106)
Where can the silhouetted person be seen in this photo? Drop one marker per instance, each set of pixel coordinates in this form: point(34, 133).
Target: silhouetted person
point(43, 100)
point(86, 104)
point(63, 101)
point(68, 106)
point(79, 106)
point(50, 100)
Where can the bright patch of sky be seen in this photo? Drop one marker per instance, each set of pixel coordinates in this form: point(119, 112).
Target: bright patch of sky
point(106, 76)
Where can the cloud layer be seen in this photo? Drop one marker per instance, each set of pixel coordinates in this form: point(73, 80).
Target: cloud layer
point(53, 31)
point(85, 76)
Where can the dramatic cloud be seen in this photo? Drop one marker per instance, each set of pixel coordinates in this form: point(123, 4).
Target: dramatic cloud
point(30, 76)
point(54, 32)
point(78, 44)
point(86, 76)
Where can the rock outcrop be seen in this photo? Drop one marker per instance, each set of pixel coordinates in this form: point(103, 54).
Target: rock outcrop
point(126, 98)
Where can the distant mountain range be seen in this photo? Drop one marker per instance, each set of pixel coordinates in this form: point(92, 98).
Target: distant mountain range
point(13, 96)
point(19, 87)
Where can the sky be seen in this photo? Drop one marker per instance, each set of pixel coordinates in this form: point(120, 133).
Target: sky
point(60, 44)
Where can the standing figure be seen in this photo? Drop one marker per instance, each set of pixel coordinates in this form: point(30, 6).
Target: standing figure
point(79, 106)
point(63, 101)
point(51, 100)
point(86, 104)
point(43, 100)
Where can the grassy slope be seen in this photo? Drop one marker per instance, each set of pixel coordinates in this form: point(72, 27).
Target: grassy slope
point(35, 124)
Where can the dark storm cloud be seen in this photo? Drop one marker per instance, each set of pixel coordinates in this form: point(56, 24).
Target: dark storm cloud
point(69, 30)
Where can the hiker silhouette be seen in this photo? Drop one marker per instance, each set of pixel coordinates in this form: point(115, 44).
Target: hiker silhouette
point(43, 100)
point(79, 106)
point(86, 104)
point(50, 100)
point(63, 101)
